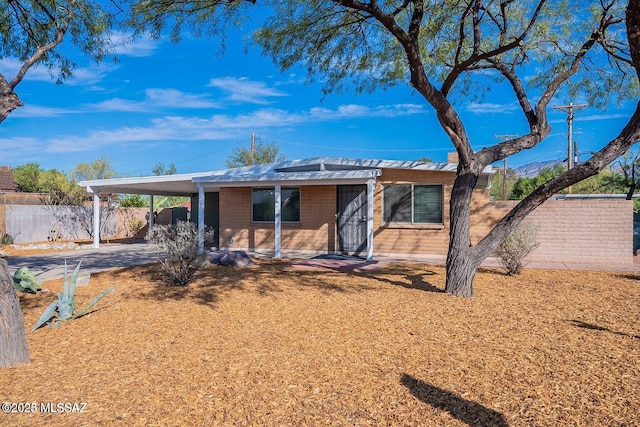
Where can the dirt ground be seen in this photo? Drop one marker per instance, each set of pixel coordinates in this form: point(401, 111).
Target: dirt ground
point(276, 345)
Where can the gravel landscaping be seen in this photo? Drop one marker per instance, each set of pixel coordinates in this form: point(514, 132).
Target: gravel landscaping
point(276, 345)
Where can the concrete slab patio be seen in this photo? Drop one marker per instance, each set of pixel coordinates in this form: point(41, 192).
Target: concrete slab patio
point(108, 256)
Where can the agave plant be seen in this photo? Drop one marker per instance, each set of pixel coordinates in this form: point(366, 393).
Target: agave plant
point(65, 305)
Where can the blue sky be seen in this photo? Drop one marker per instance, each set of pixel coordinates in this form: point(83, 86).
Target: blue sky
point(188, 105)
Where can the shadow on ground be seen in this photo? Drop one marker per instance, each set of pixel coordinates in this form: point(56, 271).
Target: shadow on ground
point(591, 326)
point(269, 277)
point(470, 413)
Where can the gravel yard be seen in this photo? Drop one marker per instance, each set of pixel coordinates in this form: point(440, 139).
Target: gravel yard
point(276, 345)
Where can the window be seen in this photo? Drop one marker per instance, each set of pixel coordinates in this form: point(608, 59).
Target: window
point(413, 204)
point(263, 204)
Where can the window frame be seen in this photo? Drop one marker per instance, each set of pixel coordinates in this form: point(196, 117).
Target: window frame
point(273, 189)
point(412, 222)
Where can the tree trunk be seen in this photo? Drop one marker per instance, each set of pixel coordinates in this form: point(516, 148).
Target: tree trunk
point(13, 340)
point(9, 101)
point(462, 263)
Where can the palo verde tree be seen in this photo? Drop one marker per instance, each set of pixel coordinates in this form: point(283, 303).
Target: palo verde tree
point(32, 30)
point(447, 51)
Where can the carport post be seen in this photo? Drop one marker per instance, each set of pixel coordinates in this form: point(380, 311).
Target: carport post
point(200, 218)
point(150, 212)
point(96, 219)
point(278, 220)
point(371, 188)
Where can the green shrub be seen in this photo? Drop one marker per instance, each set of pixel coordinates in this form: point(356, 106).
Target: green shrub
point(517, 246)
point(25, 281)
point(177, 250)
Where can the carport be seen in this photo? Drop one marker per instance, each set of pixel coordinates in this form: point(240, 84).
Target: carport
point(301, 172)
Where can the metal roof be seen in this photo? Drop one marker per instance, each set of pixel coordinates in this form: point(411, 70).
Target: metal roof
point(312, 171)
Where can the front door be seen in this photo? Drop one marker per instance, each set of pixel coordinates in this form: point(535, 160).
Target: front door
point(352, 219)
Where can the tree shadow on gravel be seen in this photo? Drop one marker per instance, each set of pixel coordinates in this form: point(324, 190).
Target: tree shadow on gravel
point(630, 276)
point(415, 280)
point(585, 325)
point(269, 278)
point(470, 413)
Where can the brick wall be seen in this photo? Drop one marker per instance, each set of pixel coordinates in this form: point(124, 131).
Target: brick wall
point(416, 239)
point(314, 233)
point(132, 222)
point(591, 232)
point(595, 233)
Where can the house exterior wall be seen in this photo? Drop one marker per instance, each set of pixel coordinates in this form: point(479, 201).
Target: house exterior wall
point(411, 238)
point(314, 233)
point(580, 232)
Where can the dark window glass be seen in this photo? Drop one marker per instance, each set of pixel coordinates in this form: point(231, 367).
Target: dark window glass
point(263, 204)
point(427, 204)
point(417, 204)
point(397, 203)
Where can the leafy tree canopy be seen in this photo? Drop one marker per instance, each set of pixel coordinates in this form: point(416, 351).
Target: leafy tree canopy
point(32, 30)
point(134, 201)
point(31, 178)
point(161, 169)
point(28, 27)
point(262, 154)
point(98, 169)
point(523, 35)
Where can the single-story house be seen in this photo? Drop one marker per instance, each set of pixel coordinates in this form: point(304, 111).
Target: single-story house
point(317, 205)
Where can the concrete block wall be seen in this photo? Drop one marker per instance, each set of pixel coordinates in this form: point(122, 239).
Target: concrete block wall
point(36, 223)
point(593, 232)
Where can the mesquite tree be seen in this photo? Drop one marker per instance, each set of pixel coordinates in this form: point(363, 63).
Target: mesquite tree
point(32, 30)
point(448, 51)
point(13, 340)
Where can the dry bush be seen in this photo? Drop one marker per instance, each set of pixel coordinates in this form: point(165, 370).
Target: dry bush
point(177, 250)
point(513, 250)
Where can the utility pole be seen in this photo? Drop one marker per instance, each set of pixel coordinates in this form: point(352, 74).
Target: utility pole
point(505, 137)
point(253, 147)
point(569, 110)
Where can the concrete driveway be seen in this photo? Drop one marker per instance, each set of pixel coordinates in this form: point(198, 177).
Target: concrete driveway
point(106, 257)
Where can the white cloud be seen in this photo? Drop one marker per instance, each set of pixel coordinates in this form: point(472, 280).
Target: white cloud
point(219, 126)
point(124, 44)
point(591, 118)
point(30, 111)
point(154, 99)
point(596, 117)
point(351, 111)
point(489, 108)
point(81, 76)
point(240, 89)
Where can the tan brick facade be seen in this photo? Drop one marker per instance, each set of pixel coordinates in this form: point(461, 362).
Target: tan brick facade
point(315, 233)
point(576, 231)
point(585, 231)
